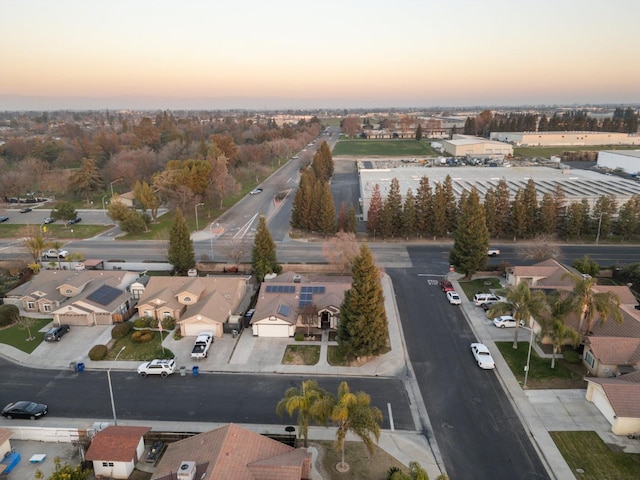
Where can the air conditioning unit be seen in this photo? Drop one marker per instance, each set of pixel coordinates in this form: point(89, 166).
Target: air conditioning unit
point(187, 471)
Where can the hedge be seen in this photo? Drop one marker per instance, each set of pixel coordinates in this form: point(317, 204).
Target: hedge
point(98, 352)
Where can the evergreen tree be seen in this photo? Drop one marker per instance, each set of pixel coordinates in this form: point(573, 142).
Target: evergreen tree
point(439, 212)
point(518, 216)
point(560, 200)
point(471, 238)
point(502, 208)
point(363, 328)
point(530, 200)
point(385, 227)
point(86, 180)
point(423, 208)
point(490, 211)
point(409, 216)
point(574, 221)
point(303, 201)
point(147, 198)
point(451, 207)
point(547, 217)
point(419, 132)
point(326, 212)
point(263, 255)
point(352, 221)
point(394, 200)
point(181, 253)
point(342, 217)
point(375, 211)
point(628, 220)
point(603, 211)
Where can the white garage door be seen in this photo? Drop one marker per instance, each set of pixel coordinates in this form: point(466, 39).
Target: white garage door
point(195, 329)
point(273, 330)
point(600, 400)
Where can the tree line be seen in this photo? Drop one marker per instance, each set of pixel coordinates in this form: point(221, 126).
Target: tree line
point(434, 213)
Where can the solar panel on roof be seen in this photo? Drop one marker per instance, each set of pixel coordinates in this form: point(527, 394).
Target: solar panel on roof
point(304, 303)
point(284, 310)
point(318, 289)
point(306, 289)
point(268, 289)
point(104, 295)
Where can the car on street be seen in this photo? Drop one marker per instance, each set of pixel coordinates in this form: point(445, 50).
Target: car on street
point(255, 191)
point(49, 220)
point(74, 221)
point(505, 321)
point(446, 285)
point(164, 368)
point(53, 253)
point(483, 356)
point(26, 210)
point(3, 219)
point(55, 334)
point(493, 252)
point(453, 297)
point(25, 409)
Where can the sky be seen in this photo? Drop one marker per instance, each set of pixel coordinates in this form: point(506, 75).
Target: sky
point(309, 54)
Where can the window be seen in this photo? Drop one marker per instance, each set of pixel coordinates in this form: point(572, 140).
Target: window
point(148, 313)
point(107, 464)
point(31, 305)
point(187, 299)
point(68, 291)
point(46, 307)
point(589, 359)
point(166, 314)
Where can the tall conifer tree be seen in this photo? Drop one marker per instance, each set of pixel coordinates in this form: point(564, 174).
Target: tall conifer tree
point(471, 239)
point(263, 255)
point(375, 211)
point(181, 253)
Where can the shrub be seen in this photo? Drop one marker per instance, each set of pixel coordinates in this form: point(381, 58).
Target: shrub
point(168, 323)
point(144, 322)
point(8, 314)
point(572, 356)
point(98, 352)
point(177, 335)
point(121, 330)
point(299, 336)
point(142, 336)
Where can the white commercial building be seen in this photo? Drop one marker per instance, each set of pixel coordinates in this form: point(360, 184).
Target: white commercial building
point(462, 145)
point(540, 139)
point(625, 160)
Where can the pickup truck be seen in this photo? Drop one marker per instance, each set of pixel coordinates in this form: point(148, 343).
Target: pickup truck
point(201, 345)
point(53, 253)
point(493, 252)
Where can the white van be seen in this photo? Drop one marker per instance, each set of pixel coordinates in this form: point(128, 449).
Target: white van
point(480, 298)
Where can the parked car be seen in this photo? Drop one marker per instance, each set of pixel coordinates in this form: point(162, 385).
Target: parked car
point(26, 210)
point(164, 368)
point(483, 356)
point(453, 297)
point(3, 219)
point(487, 305)
point(446, 285)
point(255, 191)
point(53, 253)
point(505, 321)
point(55, 334)
point(74, 221)
point(155, 450)
point(480, 298)
point(493, 252)
point(25, 409)
point(49, 220)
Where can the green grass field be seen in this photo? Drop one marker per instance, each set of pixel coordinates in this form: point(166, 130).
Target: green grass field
point(18, 336)
point(390, 148)
point(546, 152)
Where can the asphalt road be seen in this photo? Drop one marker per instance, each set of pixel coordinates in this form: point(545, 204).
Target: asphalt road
point(207, 398)
point(478, 433)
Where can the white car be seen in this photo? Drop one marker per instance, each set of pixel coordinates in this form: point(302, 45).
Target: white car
point(483, 356)
point(53, 253)
point(164, 368)
point(505, 321)
point(255, 191)
point(453, 297)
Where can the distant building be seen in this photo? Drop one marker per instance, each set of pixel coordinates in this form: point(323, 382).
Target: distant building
point(463, 145)
point(625, 160)
point(541, 139)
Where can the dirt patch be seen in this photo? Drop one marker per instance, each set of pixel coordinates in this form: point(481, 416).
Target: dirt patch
point(301, 355)
point(579, 370)
point(361, 464)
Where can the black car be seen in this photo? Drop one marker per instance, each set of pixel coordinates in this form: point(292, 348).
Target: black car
point(74, 221)
point(56, 333)
point(155, 451)
point(3, 219)
point(24, 409)
point(25, 210)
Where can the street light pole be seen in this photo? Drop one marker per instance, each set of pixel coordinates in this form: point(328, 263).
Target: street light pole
point(196, 209)
point(113, 405)
point(526, 369)
point(104, 209)
point(115, 181)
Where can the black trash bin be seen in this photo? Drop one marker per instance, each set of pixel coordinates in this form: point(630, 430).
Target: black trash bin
point(73, 366)
point(81, 367)
point(195, 371)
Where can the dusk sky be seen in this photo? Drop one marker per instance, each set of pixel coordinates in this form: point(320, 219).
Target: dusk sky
point(274, 54)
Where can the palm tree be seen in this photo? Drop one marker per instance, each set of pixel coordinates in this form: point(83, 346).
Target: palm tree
point(310, 402)
point(560, 332)
point(57, 245)
point(353, 412)
point(36, 245)
point(524, 303)
point(589, 304)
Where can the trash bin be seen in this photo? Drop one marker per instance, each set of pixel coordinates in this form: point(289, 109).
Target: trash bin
point(234, 333)
point(195, 371)
point(81, 367)
point(183, 371)
point(73, 366)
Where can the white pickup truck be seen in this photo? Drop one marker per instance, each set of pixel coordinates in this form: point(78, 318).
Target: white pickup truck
point(201, 345)
point(53, 253)
point(493, 252)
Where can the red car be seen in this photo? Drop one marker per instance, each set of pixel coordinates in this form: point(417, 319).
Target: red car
point(446, 286)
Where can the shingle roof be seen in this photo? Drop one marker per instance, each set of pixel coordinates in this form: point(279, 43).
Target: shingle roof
point(615, 350)
point(230, 450)
point(623, 393)
point(5, 434)
point(116, 443)
point(623, 292)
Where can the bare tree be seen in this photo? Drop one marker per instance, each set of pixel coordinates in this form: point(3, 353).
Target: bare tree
point(26, 323)
point(235, 249)
point(340, 250)
point(309, 316)
point(540, 250)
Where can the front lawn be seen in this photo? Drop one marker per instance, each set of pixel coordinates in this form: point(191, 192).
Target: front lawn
point(140, 351)
point(335, 357)
point(482, 285)
point(16, 335)
point(301, 355)
point(541, 375)
point(586, 452)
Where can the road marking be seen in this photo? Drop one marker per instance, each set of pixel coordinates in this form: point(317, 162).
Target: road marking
point(390, 417)
point(429, 275)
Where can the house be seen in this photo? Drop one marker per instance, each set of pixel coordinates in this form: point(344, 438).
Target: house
point(232, 452)
point(126, 198)
point(290, 300)
point(115, 451)
point(547, 275)
point(5, 443)
point(197, 304)
point(80, 298)
point(618, 399)
point(611, 356)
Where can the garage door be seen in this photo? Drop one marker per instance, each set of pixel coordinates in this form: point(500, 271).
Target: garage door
point(600, 400)
point(195, 329)
point(273, 330)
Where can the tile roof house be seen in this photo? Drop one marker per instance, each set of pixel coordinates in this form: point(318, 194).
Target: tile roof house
point(5, 443)
point(619, 401)
point(290, 300)
point(115, 451)
point(548, 275)
point(232, 452)
point(84, 297)
point(197, 304)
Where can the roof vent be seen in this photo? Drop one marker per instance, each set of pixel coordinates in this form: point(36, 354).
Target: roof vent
point(187, 471)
